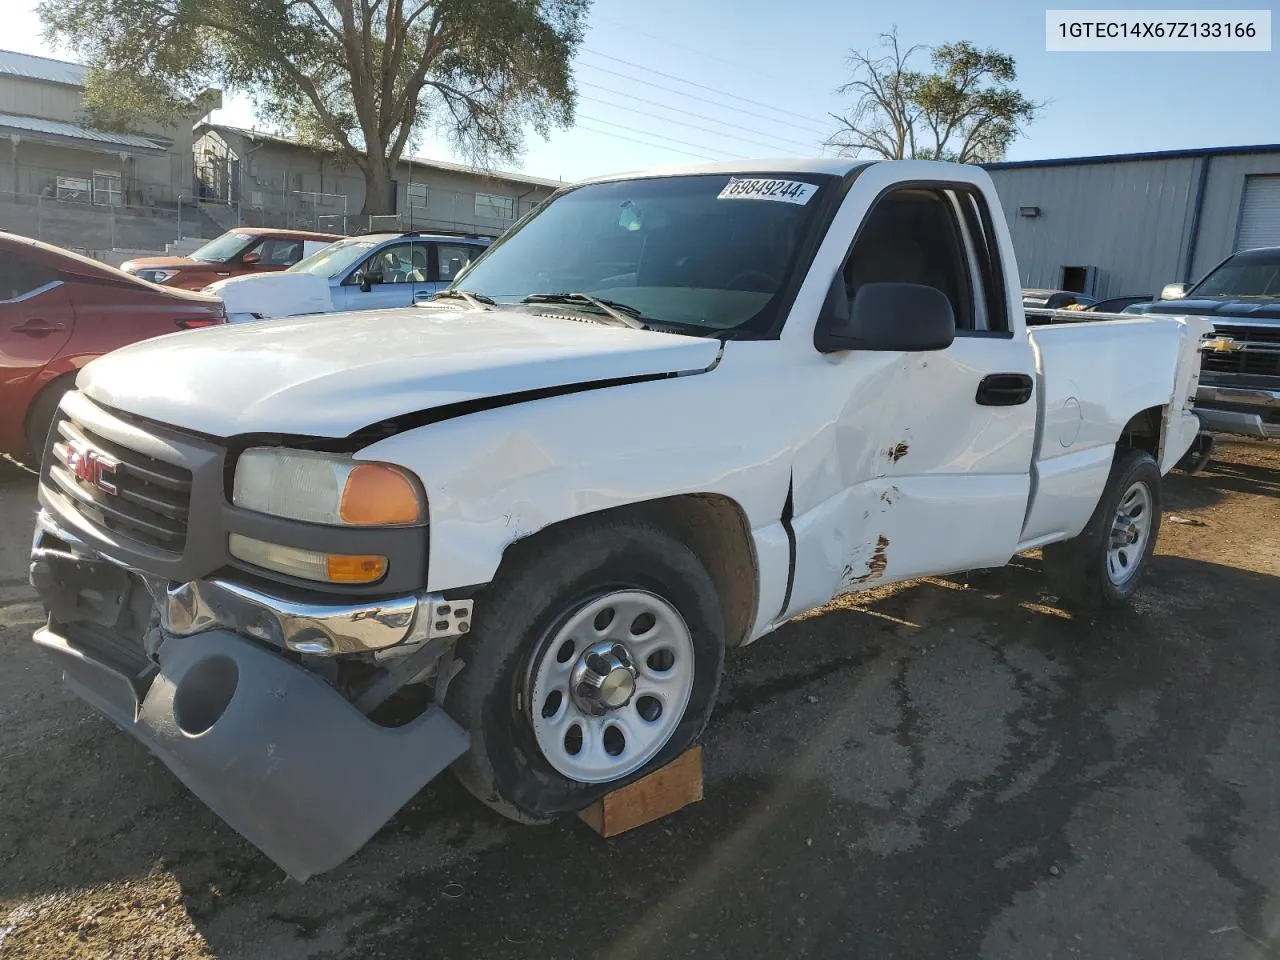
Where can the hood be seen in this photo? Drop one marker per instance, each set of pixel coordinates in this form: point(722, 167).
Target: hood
point(1218, 308)
point(331, 374)
point(166, 263)
point(274, 294)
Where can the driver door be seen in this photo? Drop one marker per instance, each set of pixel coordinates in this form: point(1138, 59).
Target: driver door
point(929, 457)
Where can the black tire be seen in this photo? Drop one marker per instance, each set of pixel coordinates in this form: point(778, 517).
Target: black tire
point(541, 583)
point(1077, 568)
point(40, 418)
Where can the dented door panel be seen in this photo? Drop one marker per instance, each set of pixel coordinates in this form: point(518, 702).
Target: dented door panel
point(913, 476)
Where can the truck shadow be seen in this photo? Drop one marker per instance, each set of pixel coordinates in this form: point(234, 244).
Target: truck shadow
point(808, 815)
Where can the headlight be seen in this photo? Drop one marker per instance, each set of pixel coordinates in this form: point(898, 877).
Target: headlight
point(157, 276)
point(322, 488)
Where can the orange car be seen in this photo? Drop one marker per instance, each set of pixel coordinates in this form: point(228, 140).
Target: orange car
point(239, 251)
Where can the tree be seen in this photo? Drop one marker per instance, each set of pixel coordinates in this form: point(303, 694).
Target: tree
point(965, 109)
point(363, 78)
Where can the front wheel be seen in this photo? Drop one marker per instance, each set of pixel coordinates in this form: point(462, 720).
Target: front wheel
point(1104, 564)
point(595, 657)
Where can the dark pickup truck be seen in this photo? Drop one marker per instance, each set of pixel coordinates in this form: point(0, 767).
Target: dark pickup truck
point(1239, 389)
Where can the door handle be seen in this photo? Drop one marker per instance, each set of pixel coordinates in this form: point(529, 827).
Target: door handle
point(1004, 390)
point(421, 296)
point(35, 327)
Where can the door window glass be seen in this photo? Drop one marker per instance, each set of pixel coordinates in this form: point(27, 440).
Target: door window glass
point(399, 263)
point(280, 253)
point(20, 276)
point(911, 236)
point(453, 257)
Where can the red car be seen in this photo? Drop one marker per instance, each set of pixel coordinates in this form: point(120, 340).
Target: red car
point(235, 253)
point(58, 311)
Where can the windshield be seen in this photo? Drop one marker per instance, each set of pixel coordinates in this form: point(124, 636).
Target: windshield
point(224, 248)
point(1246, 275)
point(333, 259)
point(709, 251)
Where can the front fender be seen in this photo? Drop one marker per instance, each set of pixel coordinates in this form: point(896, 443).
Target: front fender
point(500, 475)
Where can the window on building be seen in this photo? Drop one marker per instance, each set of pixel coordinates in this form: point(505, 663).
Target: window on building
point(106, 187)
point(417, 196)
point(20, 276)
point(490, 206)
point(74, 188)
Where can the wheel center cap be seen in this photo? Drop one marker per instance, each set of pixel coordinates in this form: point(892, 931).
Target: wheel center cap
point(604, 678)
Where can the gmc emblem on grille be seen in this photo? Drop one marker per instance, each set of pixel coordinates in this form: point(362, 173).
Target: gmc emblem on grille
point(92, 467)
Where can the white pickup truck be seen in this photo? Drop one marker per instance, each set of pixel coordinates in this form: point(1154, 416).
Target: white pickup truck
point(312, 563)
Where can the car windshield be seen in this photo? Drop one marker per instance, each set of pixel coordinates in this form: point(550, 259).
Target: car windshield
point(1244, 275)
point(333, 259)
point(224, 248)
point(706, 251)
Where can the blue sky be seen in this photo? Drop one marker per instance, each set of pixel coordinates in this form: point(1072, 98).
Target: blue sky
point(754, 79)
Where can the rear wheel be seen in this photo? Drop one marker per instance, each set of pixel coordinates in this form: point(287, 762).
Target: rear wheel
point(595, 657)
point(1103, 565)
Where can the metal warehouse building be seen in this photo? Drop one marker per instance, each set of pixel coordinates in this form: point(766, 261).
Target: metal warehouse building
point(1128, 224)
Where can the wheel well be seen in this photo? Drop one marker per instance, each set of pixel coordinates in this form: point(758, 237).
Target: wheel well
point(713, 527)
point(64, 381)
point(1142, 432)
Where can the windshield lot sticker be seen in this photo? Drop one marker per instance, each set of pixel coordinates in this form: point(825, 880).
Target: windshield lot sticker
point(788, 191)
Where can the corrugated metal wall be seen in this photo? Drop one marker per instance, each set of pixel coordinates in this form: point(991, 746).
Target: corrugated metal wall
point(1224, 191)
point(1130, 220)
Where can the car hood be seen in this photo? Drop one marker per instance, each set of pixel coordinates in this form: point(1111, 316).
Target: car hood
point(1218, 308)
point(330, 375)
point(274, 294)
point(165, 263)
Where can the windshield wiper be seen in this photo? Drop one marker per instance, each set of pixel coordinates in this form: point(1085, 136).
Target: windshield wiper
point(473, 299)
point(624, 313)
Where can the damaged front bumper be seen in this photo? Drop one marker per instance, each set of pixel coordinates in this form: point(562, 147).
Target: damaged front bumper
point(277, 752)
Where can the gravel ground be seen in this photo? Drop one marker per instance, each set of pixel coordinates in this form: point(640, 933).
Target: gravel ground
point(948, 768)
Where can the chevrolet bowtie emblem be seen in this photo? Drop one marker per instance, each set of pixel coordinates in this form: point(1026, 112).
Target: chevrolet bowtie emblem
point(1220, 345)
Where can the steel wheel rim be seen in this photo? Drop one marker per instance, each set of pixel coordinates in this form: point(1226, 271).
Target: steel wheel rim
point(1130, 533)
point(620, 738)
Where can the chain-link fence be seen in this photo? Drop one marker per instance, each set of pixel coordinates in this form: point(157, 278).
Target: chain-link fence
point(100, 211)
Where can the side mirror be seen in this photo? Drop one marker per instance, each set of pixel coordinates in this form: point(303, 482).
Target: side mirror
point(885, 316)
point(1174, 291)
point(250, 258)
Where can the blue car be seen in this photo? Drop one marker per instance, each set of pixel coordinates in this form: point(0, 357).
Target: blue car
point(370, 272)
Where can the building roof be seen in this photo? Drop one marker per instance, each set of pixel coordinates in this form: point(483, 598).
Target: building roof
point(73, 134)
point(1191, 153)
point(263, 135)
point(41, 68)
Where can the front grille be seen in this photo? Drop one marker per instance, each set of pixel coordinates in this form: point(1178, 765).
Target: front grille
point(1257, 363)
point(151, 499)
point(1248, 334)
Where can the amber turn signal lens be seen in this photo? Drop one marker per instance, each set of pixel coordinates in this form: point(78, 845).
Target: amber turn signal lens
point(348, 569)
point(379, 495)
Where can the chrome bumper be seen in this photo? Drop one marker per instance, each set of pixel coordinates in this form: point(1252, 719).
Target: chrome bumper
point(318, 629)
point(1247, 423)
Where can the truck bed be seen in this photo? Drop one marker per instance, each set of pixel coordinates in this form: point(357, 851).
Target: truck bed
point(1090, 381)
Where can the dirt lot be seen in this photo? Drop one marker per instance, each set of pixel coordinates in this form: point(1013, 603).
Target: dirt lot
point(950, 768)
